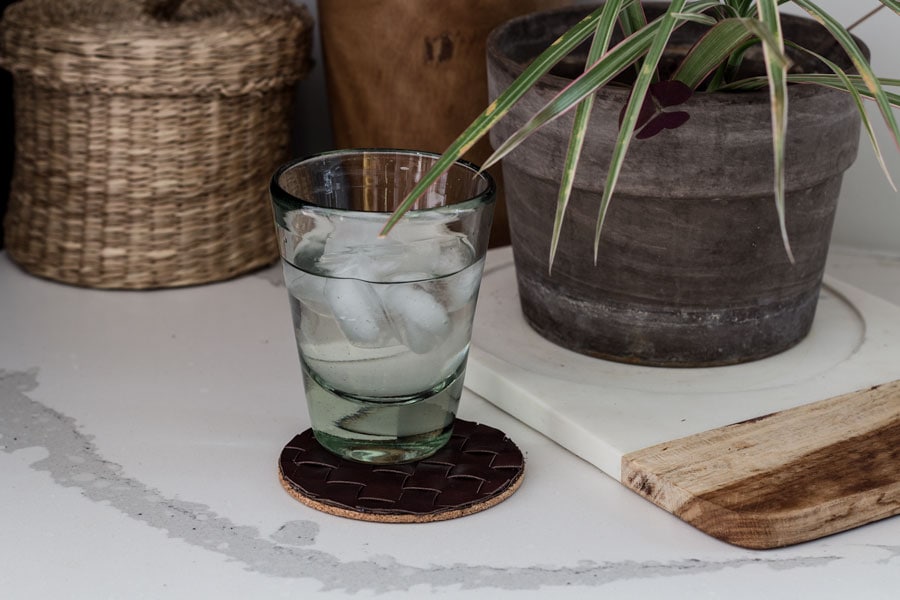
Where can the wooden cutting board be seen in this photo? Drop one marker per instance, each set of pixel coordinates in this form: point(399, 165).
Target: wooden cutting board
point(763, 455)
point(783, 478)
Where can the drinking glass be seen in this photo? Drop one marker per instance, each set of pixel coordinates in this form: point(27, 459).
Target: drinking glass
point(382, 323)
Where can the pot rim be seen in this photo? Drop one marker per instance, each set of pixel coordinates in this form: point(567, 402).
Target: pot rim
point(496, 53)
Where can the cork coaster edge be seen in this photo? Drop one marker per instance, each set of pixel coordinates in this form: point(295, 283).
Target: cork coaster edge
point(441, 515)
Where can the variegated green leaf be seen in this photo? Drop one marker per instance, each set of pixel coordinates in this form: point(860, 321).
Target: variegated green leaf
point(742, 8)
point(702, 19)
point(776, 70)
point(733, 66)
point(497, 109)
point(632, 18)
point(640, 46)
point(834, 82)
point(892, 4)
point(667, 24)
point(846, 41)
point(757, 83)
point(605, 27)
point(857, 98)
point(598, 75)
point(710, 51)
point(762, 34)
point(769, 40)
point(727, 11)
point(595, 77)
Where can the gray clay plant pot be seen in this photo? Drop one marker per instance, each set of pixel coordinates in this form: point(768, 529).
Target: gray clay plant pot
point(692, 270)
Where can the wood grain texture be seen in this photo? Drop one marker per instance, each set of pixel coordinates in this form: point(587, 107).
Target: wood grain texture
point(783, 478)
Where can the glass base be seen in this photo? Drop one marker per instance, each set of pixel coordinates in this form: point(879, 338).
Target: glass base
point(401, 450)
point(383, 431)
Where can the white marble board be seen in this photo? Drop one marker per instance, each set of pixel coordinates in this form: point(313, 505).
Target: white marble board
point(602, 410)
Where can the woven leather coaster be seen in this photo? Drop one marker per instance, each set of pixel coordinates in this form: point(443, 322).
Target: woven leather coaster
point(478, 468)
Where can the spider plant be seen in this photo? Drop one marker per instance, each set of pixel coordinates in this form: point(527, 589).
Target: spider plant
point(711, 65)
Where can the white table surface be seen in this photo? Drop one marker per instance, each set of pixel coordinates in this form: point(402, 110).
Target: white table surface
point(139, 433)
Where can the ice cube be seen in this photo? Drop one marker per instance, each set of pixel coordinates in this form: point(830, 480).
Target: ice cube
point(400, 266)
point(311, 232)
point(418, 318)
point(354, 233)
point(379, 261)
point(309, 323)
point(407, 276)
point(462, 287)
point(358, 311)
point(306, 289)
point(399, 260)
point(455, 254)
point(347, 265)
point(416, 246)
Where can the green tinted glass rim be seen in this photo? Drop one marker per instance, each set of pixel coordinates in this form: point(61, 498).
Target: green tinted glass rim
point(286, 201)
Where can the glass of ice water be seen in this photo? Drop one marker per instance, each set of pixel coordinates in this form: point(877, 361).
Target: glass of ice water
point(382, 323)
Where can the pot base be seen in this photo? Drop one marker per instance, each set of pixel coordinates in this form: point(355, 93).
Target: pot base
point(661, 337)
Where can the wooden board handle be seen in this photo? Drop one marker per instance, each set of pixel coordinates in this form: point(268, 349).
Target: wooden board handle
point(784, 478)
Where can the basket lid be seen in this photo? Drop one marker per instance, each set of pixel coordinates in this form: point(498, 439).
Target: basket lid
point(158, 47)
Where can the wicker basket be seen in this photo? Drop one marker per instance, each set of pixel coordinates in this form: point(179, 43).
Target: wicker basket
point(146, 133)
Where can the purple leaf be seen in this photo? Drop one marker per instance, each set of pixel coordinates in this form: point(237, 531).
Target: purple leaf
point(652, 119)
point(648, 109)
point(662, 121)
point(671, 93)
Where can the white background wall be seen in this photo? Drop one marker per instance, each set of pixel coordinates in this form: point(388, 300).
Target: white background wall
point(869, 210)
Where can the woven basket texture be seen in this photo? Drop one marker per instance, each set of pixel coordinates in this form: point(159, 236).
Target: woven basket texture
point(146, 133)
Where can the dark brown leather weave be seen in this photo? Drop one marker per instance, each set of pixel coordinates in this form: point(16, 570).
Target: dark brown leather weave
point(478, 465)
